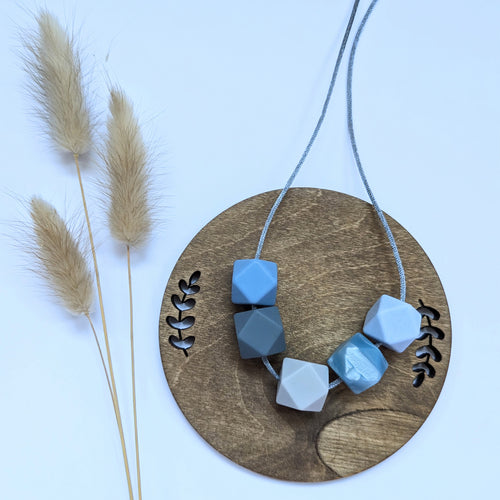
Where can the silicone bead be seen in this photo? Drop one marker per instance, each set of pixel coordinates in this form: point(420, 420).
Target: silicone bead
point(358, 363)
point(393, 323)
point(259, 332)
point(303, 385)
point(255, 282)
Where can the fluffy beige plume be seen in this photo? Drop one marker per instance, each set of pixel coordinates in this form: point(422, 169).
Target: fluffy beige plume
point(126, 164)
point(128, 174)
point(53, 64)
point(60, 258)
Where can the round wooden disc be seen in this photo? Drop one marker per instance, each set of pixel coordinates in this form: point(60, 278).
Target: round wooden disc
point(334, 262)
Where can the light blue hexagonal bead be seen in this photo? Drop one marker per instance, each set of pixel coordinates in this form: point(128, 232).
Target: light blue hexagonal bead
point(393, 323)
point(303, 385)
point(259, 332)
point(255, 281)
point(358, 363)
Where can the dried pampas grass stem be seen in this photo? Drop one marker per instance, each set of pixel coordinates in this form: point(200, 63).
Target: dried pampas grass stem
point(114, 393)
point(63, 264)
point(91, 323)
point(126, 160)
point(60, 258)
point(132, 362)
point(53, 64)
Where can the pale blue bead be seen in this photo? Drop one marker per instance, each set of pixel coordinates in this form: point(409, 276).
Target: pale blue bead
point(358, 363)
point(303, 385)
point(393, 323)
point(255, 281)
point(259, 332)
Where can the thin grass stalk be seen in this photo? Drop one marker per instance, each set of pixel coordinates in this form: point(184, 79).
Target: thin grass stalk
point(100, 354)
point(52, 61)
point(132, 358)
point(116, 405)
point(126, 159)
point(60, 260)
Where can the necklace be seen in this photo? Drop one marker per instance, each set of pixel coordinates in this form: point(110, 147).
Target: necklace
point(390, 322)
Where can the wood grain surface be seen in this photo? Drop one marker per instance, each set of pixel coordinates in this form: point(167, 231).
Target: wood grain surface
point(334, 262)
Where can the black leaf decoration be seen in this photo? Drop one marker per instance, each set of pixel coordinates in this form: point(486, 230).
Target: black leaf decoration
point(418, 380)
point(429, 312)
point(424, 367)
point(182, 324)
point(181, 305)
point(184, 304)
point(429, 350)
point(187, 289)
point(430, 333)
point(194, 278)
point(179, 343)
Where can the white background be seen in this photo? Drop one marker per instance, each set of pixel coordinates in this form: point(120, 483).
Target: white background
point(230, 92)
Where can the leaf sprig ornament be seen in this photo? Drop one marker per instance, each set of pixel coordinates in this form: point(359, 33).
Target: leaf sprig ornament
point(182, 305)
point(431, 333)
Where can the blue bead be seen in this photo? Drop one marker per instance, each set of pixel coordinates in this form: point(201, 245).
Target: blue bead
point(255, 282)
point(303, 385)
point(259, 332)
point(393, 323)
point(358, 363)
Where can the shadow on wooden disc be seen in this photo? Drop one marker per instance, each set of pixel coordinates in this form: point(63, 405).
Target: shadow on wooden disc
point(334, 262)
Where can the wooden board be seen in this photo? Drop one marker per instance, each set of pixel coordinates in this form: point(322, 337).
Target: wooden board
point(334, 262)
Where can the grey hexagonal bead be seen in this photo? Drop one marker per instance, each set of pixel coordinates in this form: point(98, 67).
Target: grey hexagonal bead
point(303, 385)
point(259, 332)
point(393, 323)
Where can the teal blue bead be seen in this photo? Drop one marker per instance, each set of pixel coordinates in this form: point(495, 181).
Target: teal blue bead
point(255, 282)
point(393, 323)
point(358, 363)
point(259, 332)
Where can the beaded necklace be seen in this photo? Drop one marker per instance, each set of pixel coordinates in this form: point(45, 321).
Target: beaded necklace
point(390, 322)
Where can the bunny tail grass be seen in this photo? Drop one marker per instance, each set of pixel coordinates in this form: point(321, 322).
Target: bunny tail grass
point(60, 258)
point(132, 363)
point(53, 64)
point(128, 175)
point(114, 394)
point(126, 160)
point(62, 263)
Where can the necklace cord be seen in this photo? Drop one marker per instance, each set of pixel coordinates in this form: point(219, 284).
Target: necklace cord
point(314, 134)
point(354, 146)
point(356, 155)
point(343, 45)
